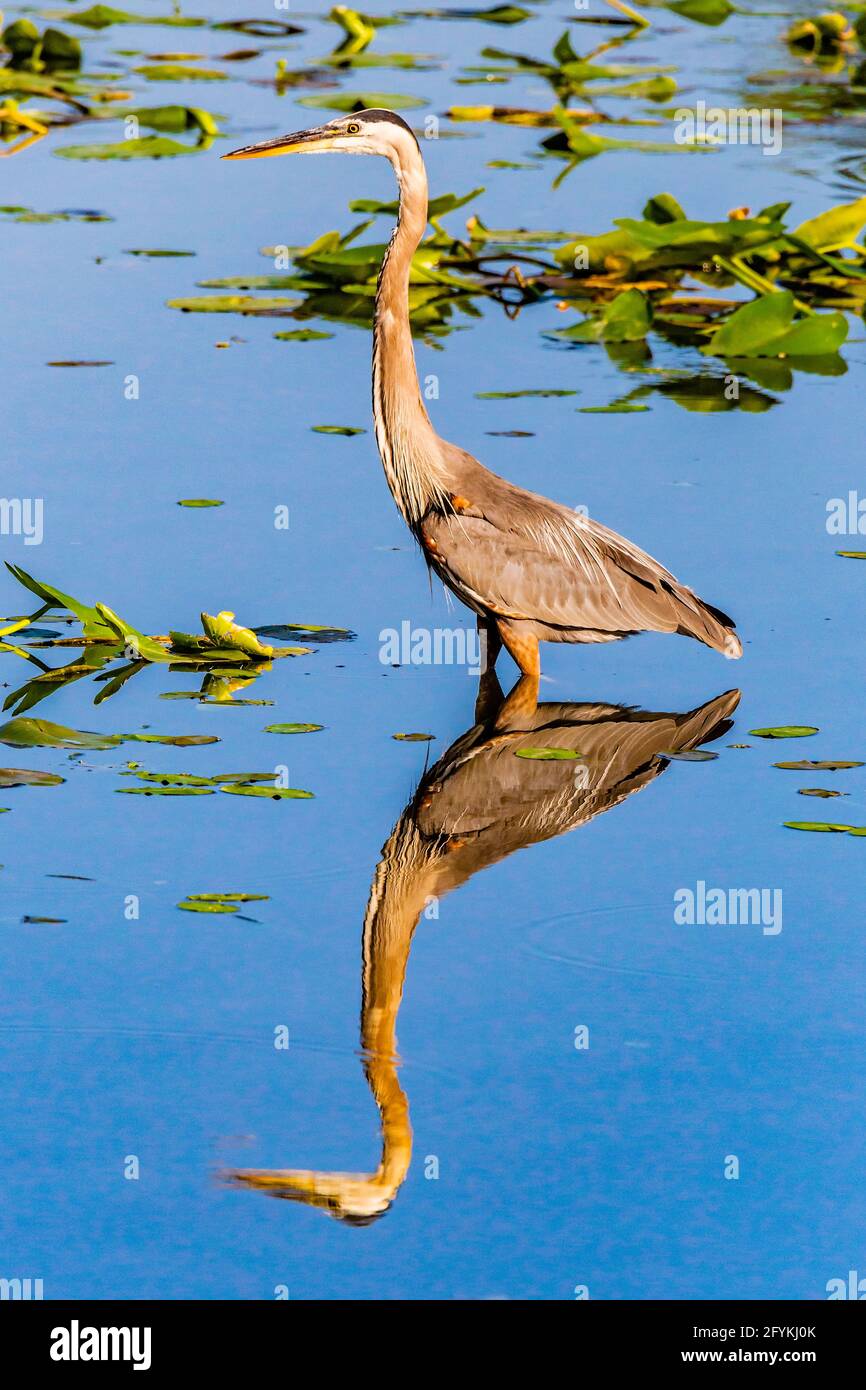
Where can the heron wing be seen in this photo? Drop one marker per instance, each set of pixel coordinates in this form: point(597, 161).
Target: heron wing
point(573, 583)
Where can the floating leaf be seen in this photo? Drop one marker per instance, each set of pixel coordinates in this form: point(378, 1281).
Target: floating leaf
point(24, 777)
point(337, 429)
point(709, 12)
point(835, 228)
point(293, 728)
point(173, 118)
point(785, 731)
point(200, 502)
point(204, 905)
point(167, 779)
point(516, 395)
point(180, 72)
point(413, 738)
point(275, 793)
point(166, 791)
point(765, 328)
point(817, 825)
point(233, 304)
point(146, 147)
point(691, 755)
point(852, 554)
point(101, 16)
point(361, 101)
point(243, 777)
point(819, 791)
point(176, 740)
point(625, 319)
point(545, 755)
point(301, 335)
point(41, 733)
point(825, 765)
point(228, 897)
point(309, 632)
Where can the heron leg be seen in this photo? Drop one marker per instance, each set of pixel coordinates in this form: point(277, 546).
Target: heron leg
point(490, 642)
point(519, 705)
point(489, 696)
point(522, 647)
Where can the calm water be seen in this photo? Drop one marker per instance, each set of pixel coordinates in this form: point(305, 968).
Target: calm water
point(557, 1167)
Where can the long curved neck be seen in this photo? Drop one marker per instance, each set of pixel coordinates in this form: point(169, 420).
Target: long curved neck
point(408, 445)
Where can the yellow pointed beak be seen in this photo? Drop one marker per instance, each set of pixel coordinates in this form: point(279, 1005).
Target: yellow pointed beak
point(309, 141)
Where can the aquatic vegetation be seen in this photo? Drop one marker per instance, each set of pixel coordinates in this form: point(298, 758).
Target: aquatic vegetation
point(785, 731)
point(822, 765)
point(272, 793)
point(293, 728)
point(228, 655)
point(26, 777)
point(825, 827)
point(632, 284)
point(547, 755)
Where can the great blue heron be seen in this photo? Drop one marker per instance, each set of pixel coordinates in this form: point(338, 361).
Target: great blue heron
point(476, 806)
point(529, 568)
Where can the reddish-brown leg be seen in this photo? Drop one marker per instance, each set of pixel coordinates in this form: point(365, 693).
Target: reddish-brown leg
point(522, 647)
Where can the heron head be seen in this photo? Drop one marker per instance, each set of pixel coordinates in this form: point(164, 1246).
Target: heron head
point(362, 132)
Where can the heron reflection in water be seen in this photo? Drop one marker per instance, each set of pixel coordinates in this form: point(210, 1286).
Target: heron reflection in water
point(477, 805)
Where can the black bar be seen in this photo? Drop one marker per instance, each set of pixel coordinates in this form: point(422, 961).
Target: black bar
point(236, 1337)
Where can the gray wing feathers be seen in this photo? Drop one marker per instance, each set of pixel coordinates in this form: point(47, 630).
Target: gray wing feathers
point(528, 558)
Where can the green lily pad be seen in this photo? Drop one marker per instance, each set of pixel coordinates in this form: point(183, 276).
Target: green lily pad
point(24, 777)
point(41, 733)
point(180, 72)
point(818, 825)
point(243, 777)
point(166, 791)
point(819, 791)
point(337, 429)
point(785, 731)
point(274, 793)
point(180, 779)
point(228, 897)
point(625, 319)
point(852, 554)
point(176, 740)
point(247, 304)
point(203, 905)
point(171, 119)
point(200, 502)
point(691, 755)
point(709, 12)
point(413, 738)
point(516, 395)
point(293, 728)
point(301, 335)
point(361, 101)
point(145, 147)
point(766, 328)
point(547, 755)
point(825, 765)
point(101, 16)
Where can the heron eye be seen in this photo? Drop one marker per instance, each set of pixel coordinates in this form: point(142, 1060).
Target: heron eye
point(353, 128)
